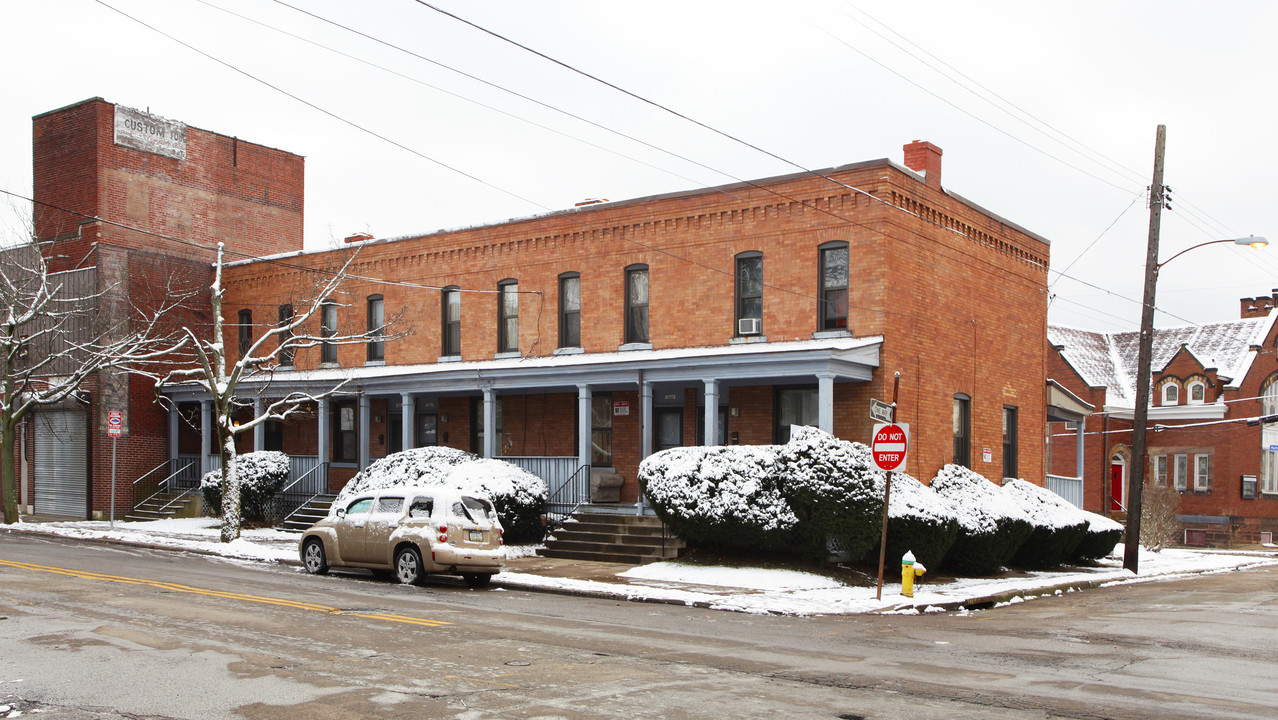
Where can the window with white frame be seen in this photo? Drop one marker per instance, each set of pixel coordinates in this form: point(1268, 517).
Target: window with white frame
point(1180, 471)
point(1196, 392)
point(1158, 465)
point(1269, 440)
point(1202, 472)
point(1171, 393)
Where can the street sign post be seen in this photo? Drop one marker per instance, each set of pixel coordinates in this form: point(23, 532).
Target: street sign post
point(115, 423)
point(889, 438)
point(890, 446)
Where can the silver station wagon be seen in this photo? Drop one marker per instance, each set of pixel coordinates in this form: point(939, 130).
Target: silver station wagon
point(411, 531)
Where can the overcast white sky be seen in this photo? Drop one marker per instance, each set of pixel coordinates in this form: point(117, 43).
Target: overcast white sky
point(817, 83)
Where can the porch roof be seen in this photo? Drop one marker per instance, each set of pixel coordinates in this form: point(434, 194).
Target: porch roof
point(846, 358)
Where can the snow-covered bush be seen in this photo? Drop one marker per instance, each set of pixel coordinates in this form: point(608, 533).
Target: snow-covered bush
point(518, 496)
point(1102, 535)
point(1058, 526)
point(834, 491)
point(262, 475)
point(991, 526)
point(919, 521)
point(726, 497)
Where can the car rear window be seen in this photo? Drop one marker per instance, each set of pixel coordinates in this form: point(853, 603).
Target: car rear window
point(479, 508)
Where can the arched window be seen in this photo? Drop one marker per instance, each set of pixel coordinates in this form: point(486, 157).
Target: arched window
point(1171, 393)
point(1196, 392)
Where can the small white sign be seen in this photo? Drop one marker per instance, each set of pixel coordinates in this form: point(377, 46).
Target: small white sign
point(987, 455)
point(880, 411)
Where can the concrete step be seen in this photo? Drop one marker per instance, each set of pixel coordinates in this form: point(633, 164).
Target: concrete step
point(600, 557)
point(161, 507)
point(609, 537)
point(309, 514)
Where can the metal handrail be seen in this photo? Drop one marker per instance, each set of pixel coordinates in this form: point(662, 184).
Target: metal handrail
point(321, 469)
point(183, 466)
point(565, 500)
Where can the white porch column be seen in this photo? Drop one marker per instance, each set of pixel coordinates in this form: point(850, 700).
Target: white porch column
point(259, 430)
point(206, 435)
point(490, 423)
point(1078, 447)
point(174, 418)
point(825, 402)
point(712, 413)
point(645, 410)
point(321, 427)
point(407, 420)
point(584, 425)
point(364, 419)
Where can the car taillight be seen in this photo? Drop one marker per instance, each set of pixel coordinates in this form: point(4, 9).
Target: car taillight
point(443, 538)
point(443, 529)
point(501, 537)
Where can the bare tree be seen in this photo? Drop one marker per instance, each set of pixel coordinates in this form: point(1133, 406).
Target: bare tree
point(54, 336)
point(1160, 515)
point(258, 362)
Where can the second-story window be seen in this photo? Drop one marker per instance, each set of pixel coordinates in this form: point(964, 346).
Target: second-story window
point(246, 331)
point(508, 316)
point(376, 321)
point(833, 307)
point(1171, 393)
point(286, 350)
point(749, 293)
point(328, 329)
point(450, 303)
point(570, 310)
point(637, 304)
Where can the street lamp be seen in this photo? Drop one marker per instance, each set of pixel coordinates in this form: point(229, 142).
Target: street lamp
point(1131, 547)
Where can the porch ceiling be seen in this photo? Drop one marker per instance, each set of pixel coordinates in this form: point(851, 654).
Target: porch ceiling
point(847, 359)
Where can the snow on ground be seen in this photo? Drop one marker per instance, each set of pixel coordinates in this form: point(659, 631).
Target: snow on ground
point(751, 590)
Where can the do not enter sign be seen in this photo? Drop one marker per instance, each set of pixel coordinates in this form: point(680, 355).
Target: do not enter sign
point(890, 446)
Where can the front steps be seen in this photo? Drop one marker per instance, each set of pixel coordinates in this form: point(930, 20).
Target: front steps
point(309, 514)
point(613, 537)
point(167, 505)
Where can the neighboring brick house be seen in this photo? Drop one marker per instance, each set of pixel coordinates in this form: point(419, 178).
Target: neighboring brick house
point(592, 337)
point(1206, 382)
point(101, 174)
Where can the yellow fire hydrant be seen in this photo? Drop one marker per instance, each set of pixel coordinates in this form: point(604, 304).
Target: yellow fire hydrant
point(909, 568)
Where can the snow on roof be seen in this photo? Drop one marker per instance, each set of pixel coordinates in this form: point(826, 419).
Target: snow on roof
point(1109, 359)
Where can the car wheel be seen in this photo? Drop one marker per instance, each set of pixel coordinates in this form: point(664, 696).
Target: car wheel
point(408, 566)
point(313, 558)
point(477, 580)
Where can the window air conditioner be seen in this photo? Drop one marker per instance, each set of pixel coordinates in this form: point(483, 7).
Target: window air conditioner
point(749, 326)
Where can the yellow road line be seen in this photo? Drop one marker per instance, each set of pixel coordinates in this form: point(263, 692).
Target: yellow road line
point(174, 587)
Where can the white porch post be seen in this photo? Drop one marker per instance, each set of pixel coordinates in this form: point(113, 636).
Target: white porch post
point(408, 420)
point(645, 410)
point(712, 413)
point(174, 418)
point(206, 435)
point(584, 425)
point(364, 419)
point(259, 430)
point(321, 427)
point(490, 423)
point(825, 402)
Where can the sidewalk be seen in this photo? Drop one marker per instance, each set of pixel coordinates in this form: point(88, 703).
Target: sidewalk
point(750, 590)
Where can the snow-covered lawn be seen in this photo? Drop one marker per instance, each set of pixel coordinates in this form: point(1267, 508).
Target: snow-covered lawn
point(752, 590)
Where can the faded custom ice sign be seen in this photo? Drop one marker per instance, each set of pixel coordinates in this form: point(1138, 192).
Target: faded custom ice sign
point(150, 133)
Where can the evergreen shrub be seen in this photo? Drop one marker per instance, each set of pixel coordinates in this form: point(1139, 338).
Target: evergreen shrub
point(262, 475)
point(991, 527)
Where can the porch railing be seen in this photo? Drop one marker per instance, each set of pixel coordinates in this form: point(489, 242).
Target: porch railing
point(555, 470)
point(1069, 488)
point(574, 491)
point(304, 487)
point(177, 476)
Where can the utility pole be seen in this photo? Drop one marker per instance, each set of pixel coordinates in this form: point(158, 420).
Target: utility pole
point(1136, 482)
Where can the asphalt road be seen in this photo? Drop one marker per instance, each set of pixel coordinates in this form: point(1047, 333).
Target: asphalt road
point(102, 632)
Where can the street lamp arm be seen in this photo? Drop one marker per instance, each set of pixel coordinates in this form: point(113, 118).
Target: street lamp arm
point(1253, 241)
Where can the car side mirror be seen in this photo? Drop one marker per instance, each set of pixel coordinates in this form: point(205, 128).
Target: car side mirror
point(341, 512)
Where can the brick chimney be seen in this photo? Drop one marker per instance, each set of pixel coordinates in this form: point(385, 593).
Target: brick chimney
point(925, 158)
point(1258, 307)
point(358, 237)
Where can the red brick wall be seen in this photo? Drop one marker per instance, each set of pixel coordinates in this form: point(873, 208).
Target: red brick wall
point(959, 296)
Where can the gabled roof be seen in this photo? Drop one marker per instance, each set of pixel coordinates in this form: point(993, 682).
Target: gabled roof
point(1109, 359)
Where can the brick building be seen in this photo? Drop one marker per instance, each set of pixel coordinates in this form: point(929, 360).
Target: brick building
point(1206, 382)
point(130, 206)
point(581, 341)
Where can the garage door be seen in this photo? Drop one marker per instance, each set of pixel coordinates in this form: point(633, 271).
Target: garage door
point(61, 477)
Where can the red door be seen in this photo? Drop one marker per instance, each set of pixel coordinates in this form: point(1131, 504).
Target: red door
point(1116, 486)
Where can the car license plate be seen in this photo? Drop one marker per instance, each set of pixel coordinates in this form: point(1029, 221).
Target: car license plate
point(475, 535)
